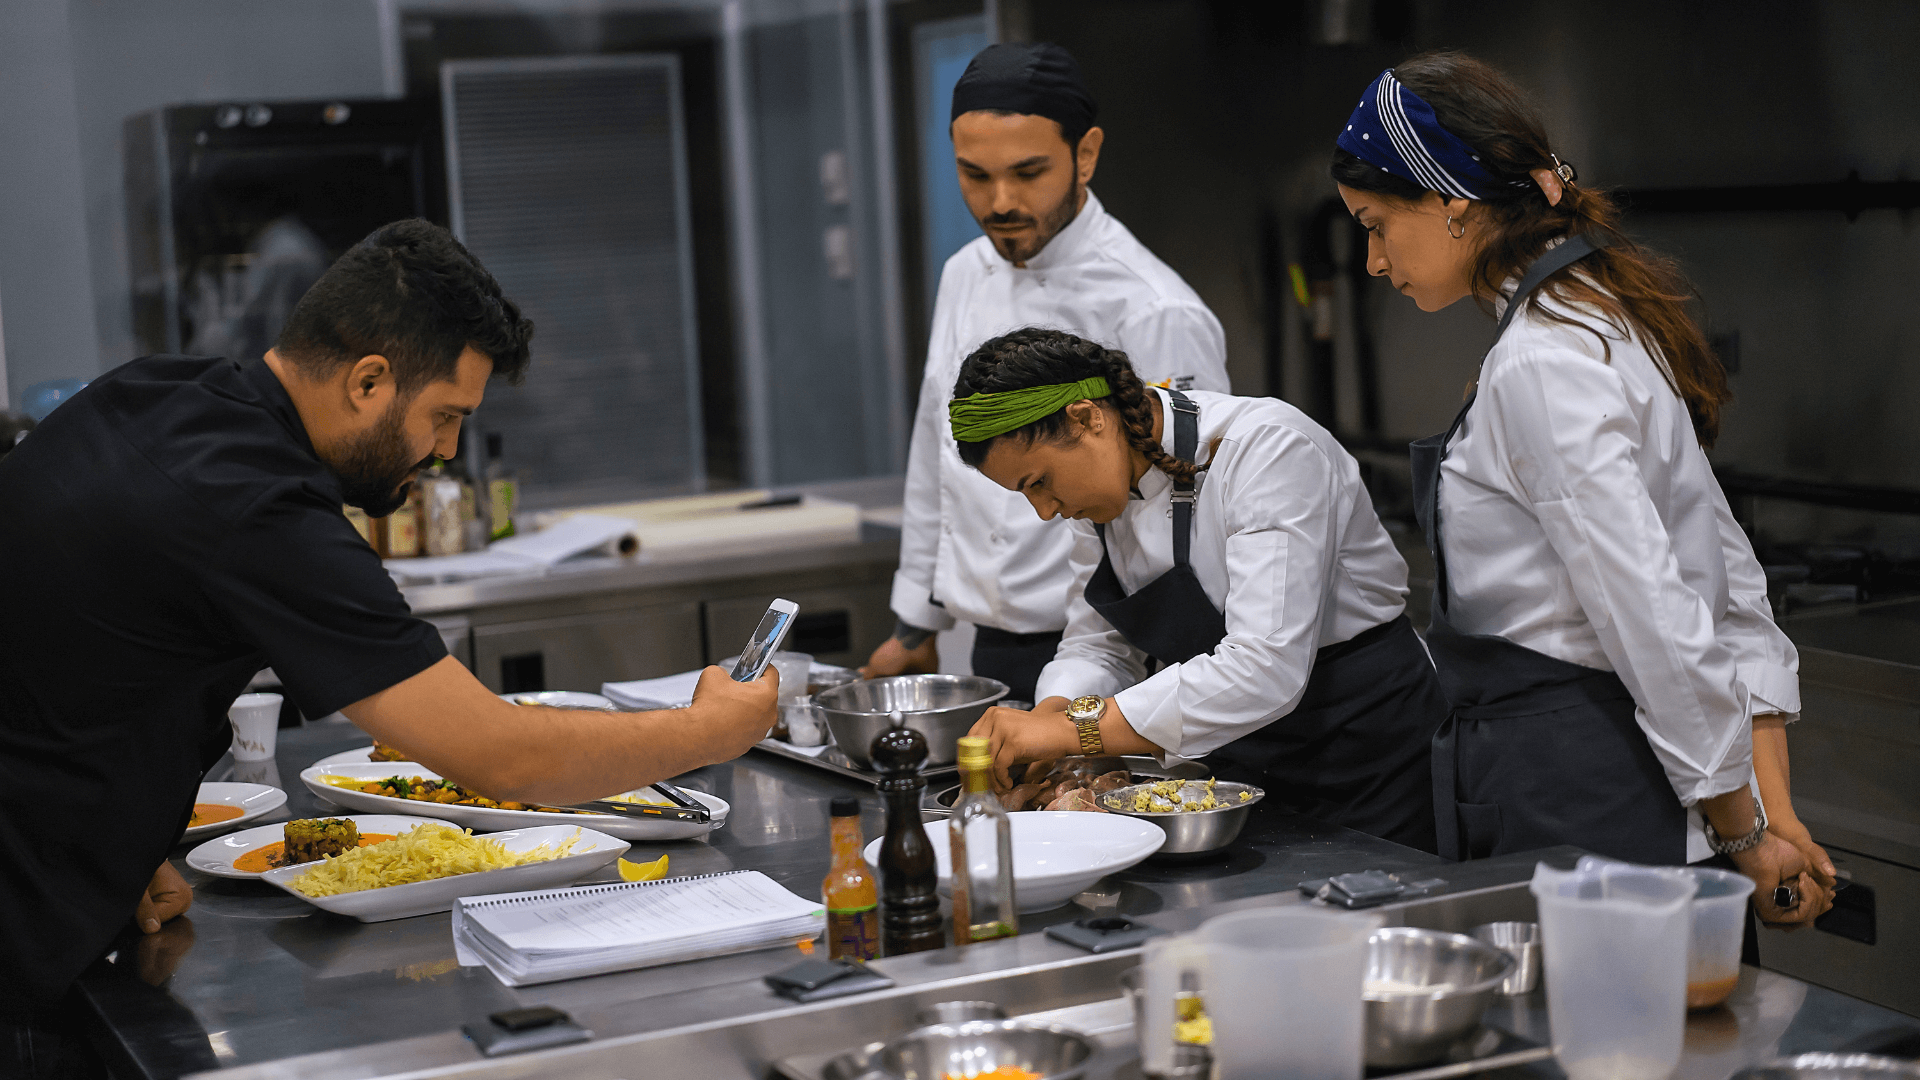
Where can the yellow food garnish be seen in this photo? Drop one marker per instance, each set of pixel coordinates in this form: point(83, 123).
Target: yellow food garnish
point(1191, 1023)
point(421, 853)
point(643, 871)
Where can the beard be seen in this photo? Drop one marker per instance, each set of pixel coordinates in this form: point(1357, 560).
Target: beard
point(1048, 226)
point(374, 469)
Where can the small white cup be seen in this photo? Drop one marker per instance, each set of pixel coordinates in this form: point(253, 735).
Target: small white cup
point(256, 726)
point(805, 725)
point(794, 667)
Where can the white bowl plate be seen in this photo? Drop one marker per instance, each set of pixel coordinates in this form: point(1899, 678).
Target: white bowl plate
point(216, 856)
point(595, 850)
point(254, 800)
point(1056, 853)
point(488, 819)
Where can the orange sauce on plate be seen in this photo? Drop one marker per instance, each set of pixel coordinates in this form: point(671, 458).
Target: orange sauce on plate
point(207, 813)
point(267, 857)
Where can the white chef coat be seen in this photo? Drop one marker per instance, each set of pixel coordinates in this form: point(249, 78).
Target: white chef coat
point(965, 540)
point(1285, 544)
point(1581, 520)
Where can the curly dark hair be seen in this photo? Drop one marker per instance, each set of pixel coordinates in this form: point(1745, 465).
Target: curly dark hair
point(1634, 287)
point(412, 293)
point(1038, 357)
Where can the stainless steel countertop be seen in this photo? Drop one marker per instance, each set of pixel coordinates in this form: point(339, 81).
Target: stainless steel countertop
point(262, 976)
point(877, 544)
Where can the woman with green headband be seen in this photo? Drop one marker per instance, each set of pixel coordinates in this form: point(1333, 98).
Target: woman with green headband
point(1235, 597)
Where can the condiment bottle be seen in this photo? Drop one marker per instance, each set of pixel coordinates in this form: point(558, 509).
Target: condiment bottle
point(403, 525)
point(362, 524)
point(980, 841)
point(910, 919)
point(503, 491)
point(851, 895)
point(446, 529)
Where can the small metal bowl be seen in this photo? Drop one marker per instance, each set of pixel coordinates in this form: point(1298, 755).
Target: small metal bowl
point(940, 707)
point(1448, 980)
point(955, 1012)
point(1192, 832)
point(1833, 1067)
point(977, 1046)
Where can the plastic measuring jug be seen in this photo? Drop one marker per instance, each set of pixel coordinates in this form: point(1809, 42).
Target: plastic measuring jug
point(1281, 986)
point(1615, 948)
point(1719, 919)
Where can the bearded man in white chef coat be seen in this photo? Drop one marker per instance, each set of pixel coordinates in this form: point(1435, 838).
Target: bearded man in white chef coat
point(1025, 146)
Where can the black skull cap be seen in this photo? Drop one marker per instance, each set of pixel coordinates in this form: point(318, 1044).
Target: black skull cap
point(1036, 80)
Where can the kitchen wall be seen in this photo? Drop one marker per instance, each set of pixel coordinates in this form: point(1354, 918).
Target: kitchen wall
point(1220, 116)
point(70, 72)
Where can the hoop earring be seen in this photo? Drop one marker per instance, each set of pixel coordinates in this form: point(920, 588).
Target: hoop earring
point(1450, 232)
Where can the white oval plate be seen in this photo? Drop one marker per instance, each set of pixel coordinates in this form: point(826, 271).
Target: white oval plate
point(595, 850)
point(356, 756)
point(216, 856)
point(254, 800)
point(1056, 853)
point(488, 819)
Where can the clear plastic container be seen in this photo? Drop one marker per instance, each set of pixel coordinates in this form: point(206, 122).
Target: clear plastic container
point(1281, 986)
point(1615, 949)
point(1719, 920)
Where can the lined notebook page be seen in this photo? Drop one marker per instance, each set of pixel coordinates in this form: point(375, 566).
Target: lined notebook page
point(636, 913)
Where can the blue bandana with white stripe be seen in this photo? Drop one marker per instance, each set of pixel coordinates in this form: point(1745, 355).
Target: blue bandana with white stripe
point(1394, 129)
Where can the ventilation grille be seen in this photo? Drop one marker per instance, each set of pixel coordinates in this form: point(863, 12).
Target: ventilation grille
point(567, 178)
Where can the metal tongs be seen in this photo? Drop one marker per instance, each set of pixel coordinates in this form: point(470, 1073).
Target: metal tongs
point(684, 807)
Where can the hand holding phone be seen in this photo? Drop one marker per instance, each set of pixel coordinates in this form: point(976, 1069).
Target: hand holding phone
point(766, 640)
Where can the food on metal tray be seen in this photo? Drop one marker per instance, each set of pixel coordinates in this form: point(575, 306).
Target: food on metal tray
point(422, 853)
point(1050, 785)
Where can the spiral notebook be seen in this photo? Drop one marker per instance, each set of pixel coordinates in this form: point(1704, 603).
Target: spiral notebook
point(540, 937)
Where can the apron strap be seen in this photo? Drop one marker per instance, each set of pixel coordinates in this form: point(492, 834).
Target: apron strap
point(1557, 258)
point(1186, 444)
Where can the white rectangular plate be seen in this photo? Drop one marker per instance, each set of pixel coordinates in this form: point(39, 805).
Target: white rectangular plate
point(488, 819)
point(595, 850)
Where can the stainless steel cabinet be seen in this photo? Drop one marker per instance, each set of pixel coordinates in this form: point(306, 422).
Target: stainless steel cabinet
point(579, 652)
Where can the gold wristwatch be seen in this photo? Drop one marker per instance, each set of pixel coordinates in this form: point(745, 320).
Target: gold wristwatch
point(1085, 712)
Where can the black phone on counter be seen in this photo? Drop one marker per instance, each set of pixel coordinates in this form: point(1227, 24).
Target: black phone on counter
point(766, 640)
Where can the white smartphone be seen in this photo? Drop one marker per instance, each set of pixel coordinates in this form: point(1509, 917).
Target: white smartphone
point(766, 640)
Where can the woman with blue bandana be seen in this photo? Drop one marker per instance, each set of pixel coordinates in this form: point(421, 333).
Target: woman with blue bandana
point(1234, 595)
point(1600, 624)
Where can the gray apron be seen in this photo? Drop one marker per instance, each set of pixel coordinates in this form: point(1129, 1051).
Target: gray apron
point(1355, 750)
point(1536, 751)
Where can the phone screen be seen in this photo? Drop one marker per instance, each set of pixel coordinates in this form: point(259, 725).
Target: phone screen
point(760, 647)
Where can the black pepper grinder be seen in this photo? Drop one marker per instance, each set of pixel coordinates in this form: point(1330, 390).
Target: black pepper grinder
point(910, 905)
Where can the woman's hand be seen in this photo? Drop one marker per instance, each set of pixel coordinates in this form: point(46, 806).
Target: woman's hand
point(168, 895)
point(1019, 737)
point(1775, 862)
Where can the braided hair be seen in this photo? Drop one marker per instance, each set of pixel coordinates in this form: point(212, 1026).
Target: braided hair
point(1040, 357)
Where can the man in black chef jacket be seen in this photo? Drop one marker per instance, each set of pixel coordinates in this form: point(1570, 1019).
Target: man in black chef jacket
point(177, 526)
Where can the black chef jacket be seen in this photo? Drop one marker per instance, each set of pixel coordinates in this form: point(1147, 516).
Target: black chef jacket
point(164, 535)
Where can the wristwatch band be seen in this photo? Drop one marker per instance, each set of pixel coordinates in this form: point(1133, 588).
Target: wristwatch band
point(1085, 712)
point(1752, 840)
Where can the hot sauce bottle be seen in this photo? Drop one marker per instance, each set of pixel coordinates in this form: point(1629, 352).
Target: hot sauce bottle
point(851, 894)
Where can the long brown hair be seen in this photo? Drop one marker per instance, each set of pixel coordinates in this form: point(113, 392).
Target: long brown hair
point(1632, 286)
point(1040, 357)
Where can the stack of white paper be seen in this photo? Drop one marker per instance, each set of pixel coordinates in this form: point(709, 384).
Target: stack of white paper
point(540, 937)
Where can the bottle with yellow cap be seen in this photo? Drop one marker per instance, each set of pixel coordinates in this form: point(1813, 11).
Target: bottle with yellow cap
point(980, 841)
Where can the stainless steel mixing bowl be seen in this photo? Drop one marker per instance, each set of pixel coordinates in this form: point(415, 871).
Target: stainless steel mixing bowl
point(1191, 832)
point(1425, 990)
point(977, 1046)
point(1833, 1067)
point(940, 707)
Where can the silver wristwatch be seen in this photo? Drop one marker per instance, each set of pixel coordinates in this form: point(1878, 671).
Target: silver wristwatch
point(1740, 843)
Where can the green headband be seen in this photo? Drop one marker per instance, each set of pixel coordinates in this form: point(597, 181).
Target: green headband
point(983, 416)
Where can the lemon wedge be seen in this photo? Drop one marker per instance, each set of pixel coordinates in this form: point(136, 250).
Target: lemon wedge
point(649, 871)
